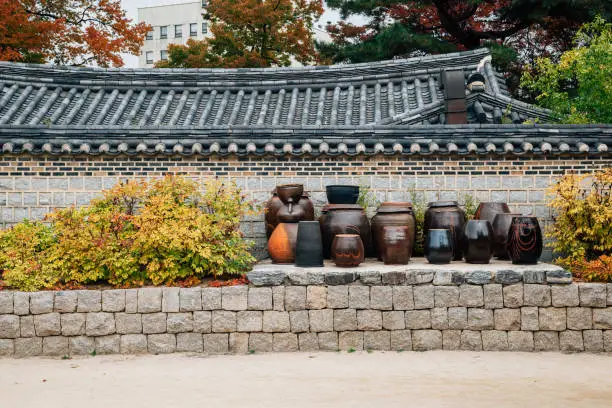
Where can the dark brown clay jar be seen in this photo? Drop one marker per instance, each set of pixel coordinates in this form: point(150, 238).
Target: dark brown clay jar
point(347, 250)
point(270, 210)
point(306, 206)
point(344, 219)
point(397, 245)
point(290, 193)
point(447, 215)
point(501, 226)
point(524, 243)
point(392, 214)
point(477, 240)
point(488, 211)
point(303, 206)
point(282, 243)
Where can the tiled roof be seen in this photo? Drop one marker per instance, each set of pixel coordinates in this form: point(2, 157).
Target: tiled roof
point(459, 140)
point(399, 92)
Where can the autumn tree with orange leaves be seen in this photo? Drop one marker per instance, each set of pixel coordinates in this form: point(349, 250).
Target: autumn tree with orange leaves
point(68, 32)
point(252, 33)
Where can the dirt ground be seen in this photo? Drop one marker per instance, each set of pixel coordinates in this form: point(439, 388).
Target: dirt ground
point(390, 379)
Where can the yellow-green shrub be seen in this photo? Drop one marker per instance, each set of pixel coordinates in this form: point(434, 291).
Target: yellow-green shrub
point(137, 232)
point(23, 256)
point(183, 233)
point(582, 227)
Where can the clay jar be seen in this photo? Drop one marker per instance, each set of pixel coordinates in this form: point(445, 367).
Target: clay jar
point(477, 241)
point(344, 219)
point(438, 246)
point(488, 211)
point(347, 250)
point(524, 243)
point(397, 244)
point(447, 215)
point(501, 226)
point(282, 243)
point(303, 206)
point(392, 214)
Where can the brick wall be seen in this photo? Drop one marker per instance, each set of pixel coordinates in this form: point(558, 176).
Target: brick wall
point(30, 186)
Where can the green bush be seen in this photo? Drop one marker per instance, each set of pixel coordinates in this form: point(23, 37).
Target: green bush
point(160, 232)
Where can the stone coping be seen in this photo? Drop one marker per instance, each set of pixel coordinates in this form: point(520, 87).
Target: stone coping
point(418, 271)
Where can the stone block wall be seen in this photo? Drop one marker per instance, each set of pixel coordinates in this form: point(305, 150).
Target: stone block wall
point(399, 310)
point(31, 186)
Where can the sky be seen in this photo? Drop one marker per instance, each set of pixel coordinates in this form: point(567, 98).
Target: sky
point(131, 7)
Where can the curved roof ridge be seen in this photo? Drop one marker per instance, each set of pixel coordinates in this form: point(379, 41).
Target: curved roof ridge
point(104, 76)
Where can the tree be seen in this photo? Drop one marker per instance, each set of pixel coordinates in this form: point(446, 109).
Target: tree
point(68, 32)
point(252, 33)
point(579, 87)
point(401, 27)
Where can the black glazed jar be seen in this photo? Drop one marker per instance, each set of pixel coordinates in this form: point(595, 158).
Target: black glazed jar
point(477, 241)
point(438, 246)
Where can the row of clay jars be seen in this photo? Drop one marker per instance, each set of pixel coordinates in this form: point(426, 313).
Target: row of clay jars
point(523, 244)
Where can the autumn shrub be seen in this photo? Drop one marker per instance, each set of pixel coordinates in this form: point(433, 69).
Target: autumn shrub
point(23, 255)
point(158, 232)
point(582, 225)
point(183, 233)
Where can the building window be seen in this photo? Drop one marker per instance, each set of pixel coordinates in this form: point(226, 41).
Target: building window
point(163, 55)
point(204, 28)
point(149, 56)
point(178, 31)
point(163, 32)
point(204, 3)
point(150, 35)
point(193, 29)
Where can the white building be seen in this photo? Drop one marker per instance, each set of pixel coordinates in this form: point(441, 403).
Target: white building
point(172, 24)
point(175, 23)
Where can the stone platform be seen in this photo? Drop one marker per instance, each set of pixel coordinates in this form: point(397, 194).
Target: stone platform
point(418, 271)
point(417, 307)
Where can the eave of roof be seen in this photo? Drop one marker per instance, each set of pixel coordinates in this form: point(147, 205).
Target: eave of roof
point(243, 141)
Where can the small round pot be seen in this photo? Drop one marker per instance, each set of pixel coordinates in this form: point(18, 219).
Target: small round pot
point(438, 246)
point(347, 250)
point(488, 211)
point(447, 215)
point(344, 219)
point(290, 193)
point(282, 243)
point(397, 245)
point(524, 243)
point(477, 240)
point(341, 194)
point(309, 247)
point(501, 226)
point(392, 214)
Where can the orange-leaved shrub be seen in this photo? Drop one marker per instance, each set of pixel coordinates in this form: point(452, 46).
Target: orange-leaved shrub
point(582, 225)
point(160, 232)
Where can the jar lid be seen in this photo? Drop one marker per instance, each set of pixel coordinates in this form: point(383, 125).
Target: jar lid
point(435, 204)
point(333, 207)
point(390, 210)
